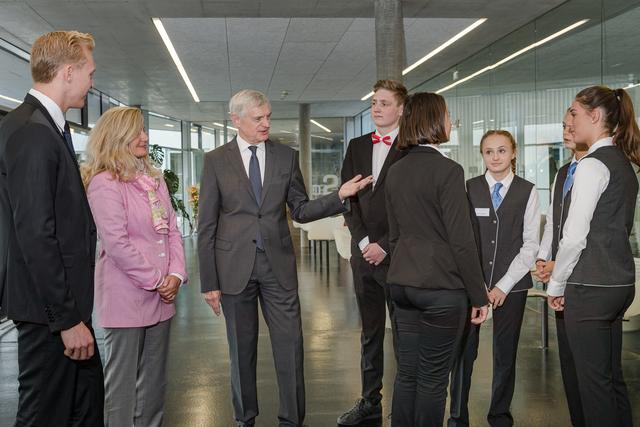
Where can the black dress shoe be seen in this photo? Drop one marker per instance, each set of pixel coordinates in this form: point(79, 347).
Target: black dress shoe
point(363, 410)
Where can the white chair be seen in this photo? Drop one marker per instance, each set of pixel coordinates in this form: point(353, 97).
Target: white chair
point(321, 231)
point(342, 236)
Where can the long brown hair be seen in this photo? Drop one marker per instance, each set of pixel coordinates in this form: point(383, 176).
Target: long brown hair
point(619, 117)
point(507, 135)
point(423, 121)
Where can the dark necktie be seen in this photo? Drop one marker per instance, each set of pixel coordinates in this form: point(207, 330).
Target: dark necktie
point(256, 184)
point(67, 138)
point(568, 182)
point(496, 198)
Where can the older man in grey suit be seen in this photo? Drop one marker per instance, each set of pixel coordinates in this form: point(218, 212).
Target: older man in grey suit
point(246, 253)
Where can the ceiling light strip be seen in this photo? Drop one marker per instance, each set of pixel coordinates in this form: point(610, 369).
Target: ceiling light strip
point(514, 55)
point(324, 128)
point(443, 46)
point(175, 57)
point(436, 51)
point(8, 98)
point(222, 126)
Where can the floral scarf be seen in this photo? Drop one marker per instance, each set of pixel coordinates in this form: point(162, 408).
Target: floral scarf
point(159, 215)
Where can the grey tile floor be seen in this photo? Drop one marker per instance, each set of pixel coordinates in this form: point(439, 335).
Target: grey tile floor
point(199, 393)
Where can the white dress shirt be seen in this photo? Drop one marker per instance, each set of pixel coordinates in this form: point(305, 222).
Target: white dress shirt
point(378, 156)
point(245, 153)
point(526, 258)
point(591, 179)
point(547, 238)
point(52, 108)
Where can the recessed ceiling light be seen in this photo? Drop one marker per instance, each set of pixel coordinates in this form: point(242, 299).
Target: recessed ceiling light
point(175, 57)
point(514, 55)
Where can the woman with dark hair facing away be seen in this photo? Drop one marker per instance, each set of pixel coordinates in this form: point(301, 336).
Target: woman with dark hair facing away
point(435, 273)
point(506, 211)
point(593, 279)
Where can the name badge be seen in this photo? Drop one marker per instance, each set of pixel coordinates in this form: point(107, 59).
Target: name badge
point(482, 211)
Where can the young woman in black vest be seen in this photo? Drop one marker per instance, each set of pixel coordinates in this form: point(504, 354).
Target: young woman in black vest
point(435, 274)
point(506, 210)
point(593, 279)
point(556, 216)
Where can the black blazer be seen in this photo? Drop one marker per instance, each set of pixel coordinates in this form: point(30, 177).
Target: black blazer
point(368, 214)
point(430, 232)
point(48, 257)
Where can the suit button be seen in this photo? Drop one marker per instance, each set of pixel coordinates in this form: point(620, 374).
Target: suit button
point(259, 216)
point(254, 240)
point(494, 221)
point(490, 262)
point(493, 242)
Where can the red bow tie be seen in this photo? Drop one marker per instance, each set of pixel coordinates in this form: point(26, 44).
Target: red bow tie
point(375, 139)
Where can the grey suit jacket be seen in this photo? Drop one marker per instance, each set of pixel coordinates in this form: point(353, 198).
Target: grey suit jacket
point(229, 216)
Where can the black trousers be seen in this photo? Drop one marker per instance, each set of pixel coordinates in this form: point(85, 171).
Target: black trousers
point(568, 372)
point(53, 389)
point(281, 311)
point(593, 322)
point(431, 324)
point(372, 296)
point(507, 322)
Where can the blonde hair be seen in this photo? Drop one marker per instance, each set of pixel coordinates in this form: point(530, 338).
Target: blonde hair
point(52, 50)
point(108, 147)
point(244, 99)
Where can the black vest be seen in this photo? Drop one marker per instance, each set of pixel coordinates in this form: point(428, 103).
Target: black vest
point(500, 235)
point(607, 259)
point(560, 208)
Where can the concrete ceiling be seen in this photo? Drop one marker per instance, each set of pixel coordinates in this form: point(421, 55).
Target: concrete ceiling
point(319, 51)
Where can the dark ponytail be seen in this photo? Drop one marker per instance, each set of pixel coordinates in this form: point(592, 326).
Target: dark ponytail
point(627, 135)
point(619, 117)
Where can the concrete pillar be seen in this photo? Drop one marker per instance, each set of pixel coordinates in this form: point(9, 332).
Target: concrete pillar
point(390, 44)
point(304, 142)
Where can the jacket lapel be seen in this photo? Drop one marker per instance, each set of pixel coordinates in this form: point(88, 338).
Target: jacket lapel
point(269, 166)
point(235, 159)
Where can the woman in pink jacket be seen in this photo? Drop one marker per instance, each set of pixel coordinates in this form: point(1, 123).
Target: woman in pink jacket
point(140, 266)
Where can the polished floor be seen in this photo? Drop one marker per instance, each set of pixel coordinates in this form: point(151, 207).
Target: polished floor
point(199, 392)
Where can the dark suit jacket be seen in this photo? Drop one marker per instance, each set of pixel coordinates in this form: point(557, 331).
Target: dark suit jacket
point(49, 256)
point(229, 216)
point(430, 233)
point(367, 215)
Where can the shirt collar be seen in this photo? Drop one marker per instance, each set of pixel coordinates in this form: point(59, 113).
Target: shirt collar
point(393, 134)
point(435, 147)
point(506, 181)
point(244, 145)
point(52, 108)
point(604, 142)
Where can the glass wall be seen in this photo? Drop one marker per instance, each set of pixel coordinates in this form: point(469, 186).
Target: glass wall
point(525, 82)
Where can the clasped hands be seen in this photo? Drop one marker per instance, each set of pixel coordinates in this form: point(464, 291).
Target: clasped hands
point(168, 289)
point(543, 274)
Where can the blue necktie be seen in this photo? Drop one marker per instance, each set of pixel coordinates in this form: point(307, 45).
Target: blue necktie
point(496, 198)
point(67, 137)
point(568, 182)
point(256, 184)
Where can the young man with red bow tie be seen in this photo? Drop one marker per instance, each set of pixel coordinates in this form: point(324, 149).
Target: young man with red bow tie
point(372, 154)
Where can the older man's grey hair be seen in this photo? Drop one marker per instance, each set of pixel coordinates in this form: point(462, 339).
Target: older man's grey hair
point(245, 99)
